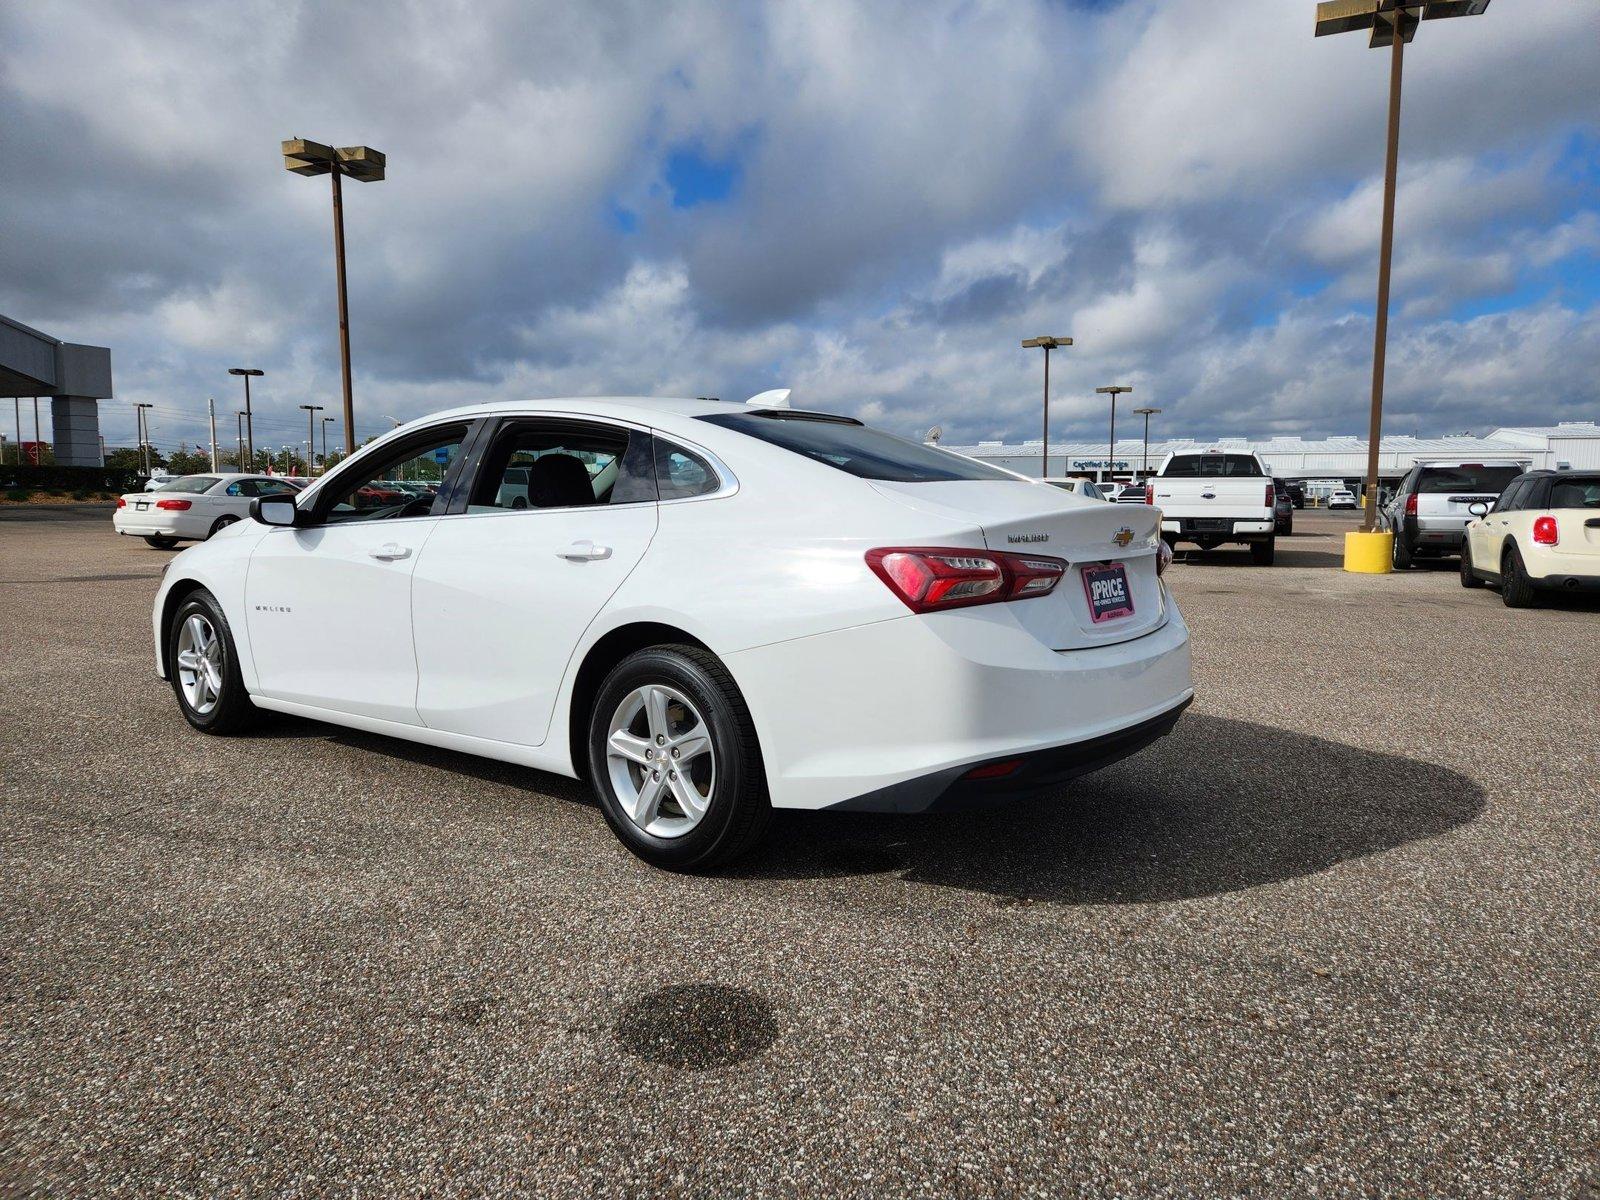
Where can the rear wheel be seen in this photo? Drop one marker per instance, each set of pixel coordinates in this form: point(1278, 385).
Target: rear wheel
point(220, 524)
point(159, 542)
point(1469, 578)
point(674, 761)
point(1515, 588)
point(1403, 556)
point(1262, 553)
point(204, 667)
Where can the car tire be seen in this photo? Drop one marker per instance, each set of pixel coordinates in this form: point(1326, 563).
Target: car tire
point(211, 693)
point(1469, 577)
point(519, 502)
point(1404, 557)
point(1262, 553)
point(220, 524)
point(728, 780)
point(160, 543)
point(1515, 588)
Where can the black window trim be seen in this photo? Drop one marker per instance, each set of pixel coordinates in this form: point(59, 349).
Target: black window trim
point(322, 501)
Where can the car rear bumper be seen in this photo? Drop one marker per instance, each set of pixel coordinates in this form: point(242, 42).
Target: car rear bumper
point(1561, 582)
point(1216, 527)
point(887, 716)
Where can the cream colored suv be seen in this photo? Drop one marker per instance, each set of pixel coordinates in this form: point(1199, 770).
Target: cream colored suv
point(1541, 535)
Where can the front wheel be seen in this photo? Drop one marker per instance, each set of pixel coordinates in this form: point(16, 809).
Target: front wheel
point(1262, 553)
point(674, 761)
point(203, 664)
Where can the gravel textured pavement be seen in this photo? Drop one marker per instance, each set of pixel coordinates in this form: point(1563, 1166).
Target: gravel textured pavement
point(1336, 936)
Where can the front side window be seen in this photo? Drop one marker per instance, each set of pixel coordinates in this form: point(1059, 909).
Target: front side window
point(555, 465)
point(856, 449)
point(242, 487)
point(273, 487)
point(403, 484)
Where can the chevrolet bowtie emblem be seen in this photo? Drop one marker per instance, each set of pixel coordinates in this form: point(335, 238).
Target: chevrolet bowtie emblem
point(1123, 536)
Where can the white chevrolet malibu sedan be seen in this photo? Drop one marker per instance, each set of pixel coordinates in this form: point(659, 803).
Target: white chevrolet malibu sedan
point(708, 610)
point(192, 507)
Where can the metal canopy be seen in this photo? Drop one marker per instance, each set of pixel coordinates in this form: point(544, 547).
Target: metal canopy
point(1381, 16)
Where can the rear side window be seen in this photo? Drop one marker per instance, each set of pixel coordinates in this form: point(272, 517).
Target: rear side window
point(191, 485)
point(1479, 480)
point(857, 450)
point(682, 474)
point(1214, 466)
point(1582, 491)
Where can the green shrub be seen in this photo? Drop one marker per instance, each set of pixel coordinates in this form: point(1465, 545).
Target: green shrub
point(17, 495)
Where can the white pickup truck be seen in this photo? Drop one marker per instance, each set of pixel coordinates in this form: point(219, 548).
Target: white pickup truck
point(1215, 496)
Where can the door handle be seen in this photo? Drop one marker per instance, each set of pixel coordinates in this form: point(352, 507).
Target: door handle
point(389, 551)
point(584, 551)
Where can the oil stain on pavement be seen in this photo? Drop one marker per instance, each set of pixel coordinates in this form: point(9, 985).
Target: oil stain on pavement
point(697, 1026)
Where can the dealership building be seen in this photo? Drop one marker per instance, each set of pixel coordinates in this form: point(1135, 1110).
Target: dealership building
point(1571, 444)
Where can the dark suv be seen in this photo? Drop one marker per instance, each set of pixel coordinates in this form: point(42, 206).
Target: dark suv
point(1430, 509)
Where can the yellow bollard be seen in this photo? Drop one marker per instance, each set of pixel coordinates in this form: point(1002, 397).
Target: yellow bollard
point(1369, 553)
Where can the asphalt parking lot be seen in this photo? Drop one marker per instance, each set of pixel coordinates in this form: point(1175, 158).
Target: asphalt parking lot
point(1335, 936)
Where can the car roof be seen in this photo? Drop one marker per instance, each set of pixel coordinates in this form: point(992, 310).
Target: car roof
point(638, 408)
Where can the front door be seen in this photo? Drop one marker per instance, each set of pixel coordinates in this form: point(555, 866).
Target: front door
point(558, 514)
point(329, 604)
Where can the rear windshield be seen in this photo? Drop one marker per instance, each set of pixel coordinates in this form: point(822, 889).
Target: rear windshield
point(860, 451)
point(194, 484)
point(1241, 466)
point(1576, 491)
point(1442, 481)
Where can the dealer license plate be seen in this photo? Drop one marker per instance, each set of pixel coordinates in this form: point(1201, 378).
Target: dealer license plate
point(1106, 586)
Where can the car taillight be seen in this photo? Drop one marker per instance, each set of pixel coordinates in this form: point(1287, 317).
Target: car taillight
point(1149, 493)
point(1163, 556)
point(1272, 496)
point(1545, 532)
point(176, 505)
point(934, 578)
point(121, 503)
point(1411, 505)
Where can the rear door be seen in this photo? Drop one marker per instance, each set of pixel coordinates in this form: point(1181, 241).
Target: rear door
point(557, 513)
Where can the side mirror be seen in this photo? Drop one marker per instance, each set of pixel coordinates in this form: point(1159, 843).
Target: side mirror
point(1479, 509)
point(275, 510)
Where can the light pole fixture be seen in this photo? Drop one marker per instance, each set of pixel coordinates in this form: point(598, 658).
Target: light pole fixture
point(326, 421)
point(1393, 23)
point(1113, 392)
point(239, 424)
point(365, 165)
point(311, 432)
point(249, 373)
point(1146, 413)
point(1048, 344)
point(144, 435)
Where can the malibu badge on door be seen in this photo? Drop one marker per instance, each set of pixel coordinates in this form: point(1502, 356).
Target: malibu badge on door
point(1106, 586)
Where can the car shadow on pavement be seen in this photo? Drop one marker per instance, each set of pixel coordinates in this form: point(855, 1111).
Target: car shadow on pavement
point(1218, 806)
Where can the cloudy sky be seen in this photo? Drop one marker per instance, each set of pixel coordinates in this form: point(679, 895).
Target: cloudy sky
point(870, 202)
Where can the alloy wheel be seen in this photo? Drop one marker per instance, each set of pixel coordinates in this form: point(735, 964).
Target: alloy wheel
point(661, 761)
point(199, 663)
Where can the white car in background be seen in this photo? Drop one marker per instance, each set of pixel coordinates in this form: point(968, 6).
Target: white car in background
point(1341, 499)
point(709, 610)
point(1087, 488)
point(1541, 535)
point(192, 507)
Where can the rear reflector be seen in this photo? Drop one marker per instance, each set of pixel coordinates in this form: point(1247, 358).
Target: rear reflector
point(997, 770)
point(933, 578)
point(1545, 532)
point(176, 505)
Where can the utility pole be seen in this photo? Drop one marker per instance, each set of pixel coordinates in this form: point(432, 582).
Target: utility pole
point(16, 409)
point(144, 438)
point(325, 421)
point(38, 447)
point(1048, 344)
point(211, 413)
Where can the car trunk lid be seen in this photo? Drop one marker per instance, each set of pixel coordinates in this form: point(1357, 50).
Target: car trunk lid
point(1091, 536)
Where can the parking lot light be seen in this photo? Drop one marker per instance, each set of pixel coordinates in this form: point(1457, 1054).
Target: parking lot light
point(311, 432)
point(1048, 344)
point(249, 426)
point(1392, 23)
point(1113, 391)
point(365, 165)
point(1146, 413)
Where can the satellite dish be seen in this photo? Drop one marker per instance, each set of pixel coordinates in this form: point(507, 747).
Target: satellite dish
point(777, 398)
point(933, 435)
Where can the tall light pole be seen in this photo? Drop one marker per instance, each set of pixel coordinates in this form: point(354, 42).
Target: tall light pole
point(366, 165)
point(325, 422)
point(1146, 413)
point(311, 432)
point(211, 414)
point(249, 373)
point(1048, 344)
point(1393, 23)
point(239, 461)
point(1113, 392)
point(144, 437)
